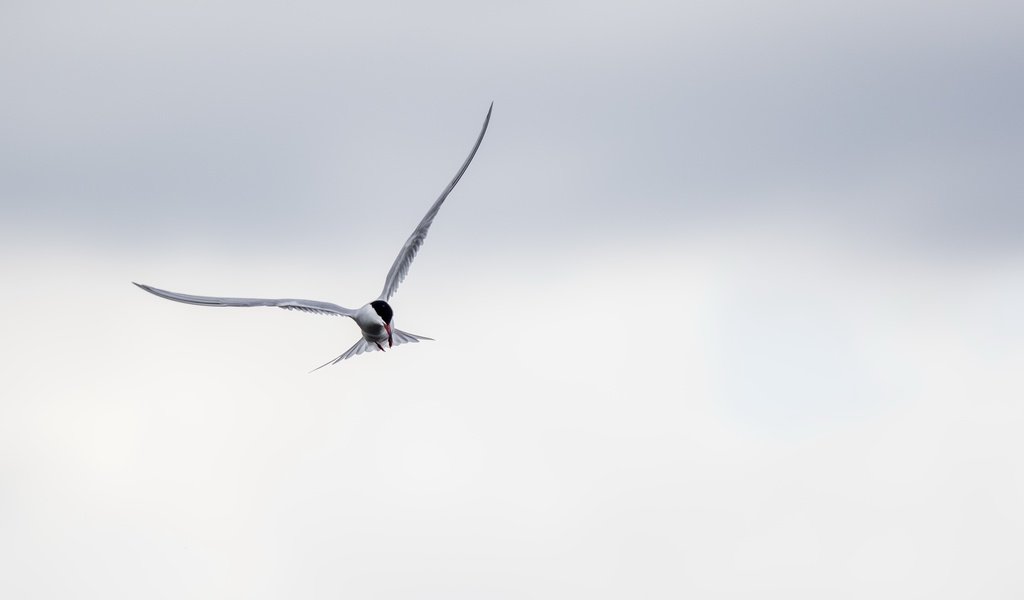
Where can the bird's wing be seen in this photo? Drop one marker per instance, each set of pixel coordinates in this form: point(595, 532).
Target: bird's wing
point(400, 337)
point(312, 306)
point(408, 252)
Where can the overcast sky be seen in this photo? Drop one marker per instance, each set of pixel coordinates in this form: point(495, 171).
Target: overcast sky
point(727, 306)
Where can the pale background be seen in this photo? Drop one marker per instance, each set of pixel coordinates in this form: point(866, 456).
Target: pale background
point(728, 306)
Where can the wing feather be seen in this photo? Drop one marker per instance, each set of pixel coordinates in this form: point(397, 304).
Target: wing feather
point(310, 306)
point(400, 268)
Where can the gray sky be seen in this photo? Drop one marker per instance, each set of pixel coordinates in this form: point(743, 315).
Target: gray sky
point(727, 306)
point(898, 119)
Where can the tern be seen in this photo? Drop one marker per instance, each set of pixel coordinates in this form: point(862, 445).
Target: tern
point(376, 319)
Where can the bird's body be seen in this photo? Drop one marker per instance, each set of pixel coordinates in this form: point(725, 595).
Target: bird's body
point(371, 324)
point(376, 318)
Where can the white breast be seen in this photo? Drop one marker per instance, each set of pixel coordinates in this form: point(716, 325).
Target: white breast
point(371, 324)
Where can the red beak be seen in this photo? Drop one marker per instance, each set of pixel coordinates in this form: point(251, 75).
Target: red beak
point(388, 328)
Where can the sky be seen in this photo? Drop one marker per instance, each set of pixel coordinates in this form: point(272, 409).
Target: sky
point(727, 305)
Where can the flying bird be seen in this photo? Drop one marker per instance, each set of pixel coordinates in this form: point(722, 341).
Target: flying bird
point(375, 319)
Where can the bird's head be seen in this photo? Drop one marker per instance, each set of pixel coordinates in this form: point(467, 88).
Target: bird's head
point(383, 310)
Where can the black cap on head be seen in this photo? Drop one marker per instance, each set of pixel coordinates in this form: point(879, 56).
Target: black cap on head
point(383, 309)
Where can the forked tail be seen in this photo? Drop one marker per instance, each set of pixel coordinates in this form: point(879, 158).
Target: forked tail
point(398, 336)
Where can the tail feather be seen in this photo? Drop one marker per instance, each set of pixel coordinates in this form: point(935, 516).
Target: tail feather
point(358, 348)
point(398, 336)
point(403, 337)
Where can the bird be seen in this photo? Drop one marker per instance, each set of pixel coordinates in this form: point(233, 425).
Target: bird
point(376, 318)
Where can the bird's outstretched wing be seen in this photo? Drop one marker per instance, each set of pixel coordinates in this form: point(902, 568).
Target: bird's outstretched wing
point(400, 337)
point(312, 306)
point(408, 252)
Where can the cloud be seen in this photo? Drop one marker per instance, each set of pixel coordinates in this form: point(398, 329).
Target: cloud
point(732, 415)
point(893, 121)
point(726, 306)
